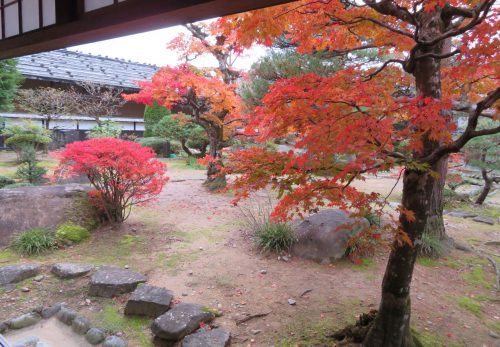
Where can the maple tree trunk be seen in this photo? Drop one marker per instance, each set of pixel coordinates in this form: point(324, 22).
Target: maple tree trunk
point(391, 327)
point(435, 222)
point(488, 182)
point(214, 180)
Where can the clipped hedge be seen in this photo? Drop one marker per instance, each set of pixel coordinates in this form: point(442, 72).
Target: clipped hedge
point(157, 144)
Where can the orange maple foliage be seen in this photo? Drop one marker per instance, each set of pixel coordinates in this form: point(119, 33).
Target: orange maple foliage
point(359, 112)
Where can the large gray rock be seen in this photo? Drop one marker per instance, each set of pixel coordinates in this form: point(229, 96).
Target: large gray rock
point(180, 321)
point(114, 341)
point(16, 273)
point(208, 338)
point(43, 207)
point(149, 301)
point(71, 270)
point(323, 236)
point(24, 321)
point(109, 281)
point(95, 336)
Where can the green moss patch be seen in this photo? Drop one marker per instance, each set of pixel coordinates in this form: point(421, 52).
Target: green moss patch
point(470, 305)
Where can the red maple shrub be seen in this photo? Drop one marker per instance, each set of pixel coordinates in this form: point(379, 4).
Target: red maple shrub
point(123, 173)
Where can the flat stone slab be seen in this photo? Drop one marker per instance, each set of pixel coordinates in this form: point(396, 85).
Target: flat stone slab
point(109, 281)
point(180, 321)
point(71, 270)
point(462, 214)
point(16, 273)
point(484, 219)
point(149, 301)
point(208, 338)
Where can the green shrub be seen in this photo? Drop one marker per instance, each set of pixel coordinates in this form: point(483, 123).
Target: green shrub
point(34, 241)
point(175, 147)
point(72, 232)
point(106, 129)
point(431, 245)
point(5, 181)
point(152, 116)
point(155, 143)
point(275, 237)
point(29, 171)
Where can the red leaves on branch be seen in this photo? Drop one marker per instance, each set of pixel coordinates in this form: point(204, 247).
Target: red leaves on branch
point(123, 173)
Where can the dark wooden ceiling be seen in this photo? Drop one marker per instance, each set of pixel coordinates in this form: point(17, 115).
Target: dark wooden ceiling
point(74, 26)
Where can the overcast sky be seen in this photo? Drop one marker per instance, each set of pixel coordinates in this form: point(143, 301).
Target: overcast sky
point(150, 47)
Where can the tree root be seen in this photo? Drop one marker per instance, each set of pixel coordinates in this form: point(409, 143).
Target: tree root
point(357, 332)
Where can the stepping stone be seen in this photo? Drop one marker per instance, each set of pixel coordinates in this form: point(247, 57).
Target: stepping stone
point(485, 220)
point(462, 214)
point(203, 338)
point(50, 311)
point(24, 321)
point(66, 315)
point(114, 341)
point(16, 273)
point(95, 336)
point(180, 321)
point(71, 270)
point(28, 341)
point(80, 325)
point(109, 281)
point(149, 301)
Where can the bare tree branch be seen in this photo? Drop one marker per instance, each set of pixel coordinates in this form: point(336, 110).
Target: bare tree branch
point(384, 65)
point(470, 131)
point(389, 8)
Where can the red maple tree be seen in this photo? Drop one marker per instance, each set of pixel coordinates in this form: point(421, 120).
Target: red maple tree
point(206, 95)
point(123, 173)
point(437, 57)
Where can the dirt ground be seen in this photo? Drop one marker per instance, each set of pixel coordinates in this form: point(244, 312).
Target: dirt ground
point(196, 244)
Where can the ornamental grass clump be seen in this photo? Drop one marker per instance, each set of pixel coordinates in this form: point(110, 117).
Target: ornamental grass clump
point(34, 241)
point(123, 173)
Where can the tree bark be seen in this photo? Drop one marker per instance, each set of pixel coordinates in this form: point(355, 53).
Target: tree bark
point(435, 222)
point(391, 327)
point(488, 182)
point(214, 179)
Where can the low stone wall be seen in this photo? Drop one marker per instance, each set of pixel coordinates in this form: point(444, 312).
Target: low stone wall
point(43, 207)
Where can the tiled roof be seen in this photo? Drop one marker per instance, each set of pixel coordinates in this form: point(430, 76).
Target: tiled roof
point(71, 67)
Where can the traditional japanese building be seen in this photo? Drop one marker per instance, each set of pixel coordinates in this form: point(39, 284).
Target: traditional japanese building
point(65, 69)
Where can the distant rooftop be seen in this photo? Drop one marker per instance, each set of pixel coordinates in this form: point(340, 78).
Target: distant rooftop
point(72, 67)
